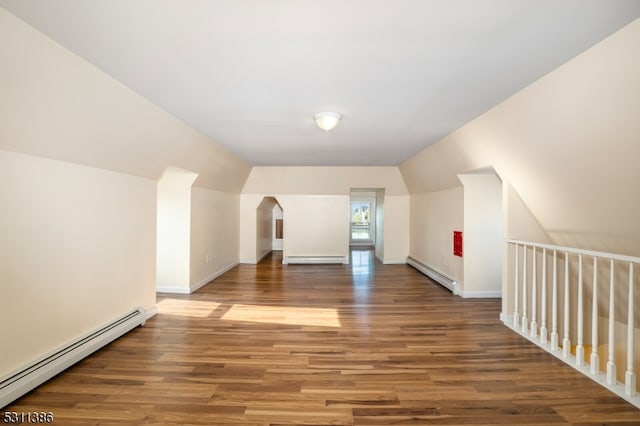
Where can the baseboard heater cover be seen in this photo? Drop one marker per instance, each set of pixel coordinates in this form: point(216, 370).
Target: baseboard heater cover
point(443, 280)
point(315, 260)
point(38, 372)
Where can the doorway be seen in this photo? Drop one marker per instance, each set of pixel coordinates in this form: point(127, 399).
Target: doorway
point(362, 221)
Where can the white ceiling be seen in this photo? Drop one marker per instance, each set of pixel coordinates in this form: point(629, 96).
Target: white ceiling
point(251, 73)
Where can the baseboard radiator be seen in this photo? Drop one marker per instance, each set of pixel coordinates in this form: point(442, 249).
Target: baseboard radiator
point(310, 260)
point(443, 280)
point(38, 372)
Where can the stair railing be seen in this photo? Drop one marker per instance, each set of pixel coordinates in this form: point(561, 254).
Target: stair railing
point(531, 292)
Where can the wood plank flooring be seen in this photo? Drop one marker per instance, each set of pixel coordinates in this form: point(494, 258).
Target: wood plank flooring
point(363, 344)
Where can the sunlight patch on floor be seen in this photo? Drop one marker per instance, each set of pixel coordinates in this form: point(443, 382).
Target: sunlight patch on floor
point(186, 308)
point(283, 315)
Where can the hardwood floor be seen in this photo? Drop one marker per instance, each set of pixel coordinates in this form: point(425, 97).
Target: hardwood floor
point(363, 344)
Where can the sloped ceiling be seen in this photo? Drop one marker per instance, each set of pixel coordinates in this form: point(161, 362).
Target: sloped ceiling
point(250, 74)
point(56, 105)
point(569, 144)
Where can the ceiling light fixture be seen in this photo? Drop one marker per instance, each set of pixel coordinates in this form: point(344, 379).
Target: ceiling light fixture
point(327, 120)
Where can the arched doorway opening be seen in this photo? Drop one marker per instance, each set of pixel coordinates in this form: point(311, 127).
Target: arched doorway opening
point(269, 227)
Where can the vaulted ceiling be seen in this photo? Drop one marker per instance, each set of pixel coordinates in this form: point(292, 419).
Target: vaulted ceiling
point(250, 74)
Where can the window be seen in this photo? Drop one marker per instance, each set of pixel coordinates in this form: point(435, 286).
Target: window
point(361, 217)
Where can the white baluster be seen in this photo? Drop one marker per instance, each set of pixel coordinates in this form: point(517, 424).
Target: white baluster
point(524, 290)
point(531, 316)
point(611, 365)
point(630, 376)
point(516, 319)
point(534, 296)
point(543, 295)
point(554, 303)
point(595, 358)
point(580, 344)
point(566, 343)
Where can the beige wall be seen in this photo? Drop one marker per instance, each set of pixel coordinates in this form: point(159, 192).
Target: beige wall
point(315, 202)
point(81, 155)
point(248, 244)
point(434, 216)
point(568, 144)
point(315, 225)
point(55, 104)
point(396, 228)
point(198, 233)
point(323, 180)
point(174, 231)
point(519, 224)
point(215, 234)
point(77, 250)
point(482, 234)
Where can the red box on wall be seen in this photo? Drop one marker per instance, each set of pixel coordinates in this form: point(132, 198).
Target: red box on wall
point(457, 243)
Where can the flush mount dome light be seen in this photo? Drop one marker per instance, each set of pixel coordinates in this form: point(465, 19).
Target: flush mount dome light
point(327, 120)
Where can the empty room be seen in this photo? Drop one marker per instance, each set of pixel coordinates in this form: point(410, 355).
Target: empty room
point(271, 212)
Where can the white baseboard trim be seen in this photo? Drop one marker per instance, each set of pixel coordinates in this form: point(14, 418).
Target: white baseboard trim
point(366, 243)
point(315, 260)
point(264, 255)
point(150, 313)
point(213, 276)
point(507, 319)
point(435, 275)
point(394, 261)
point(256, 260)
point(481, 294)
point(196, 286)
point(456, 289)
point(175, 290)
